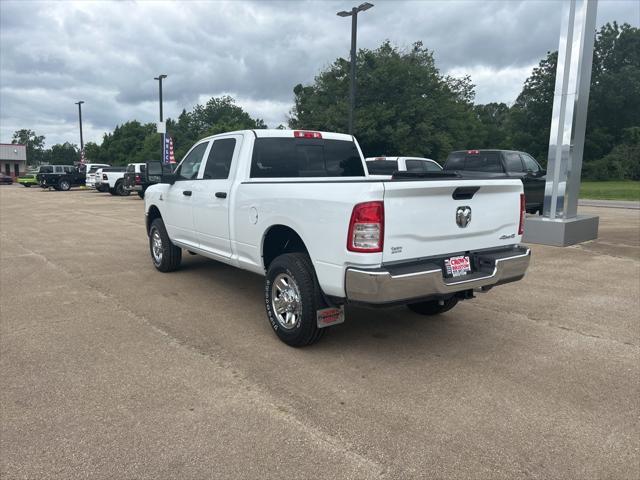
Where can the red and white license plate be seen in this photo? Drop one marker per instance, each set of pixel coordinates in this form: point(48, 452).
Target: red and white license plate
point(457, 266)
point(330, 316)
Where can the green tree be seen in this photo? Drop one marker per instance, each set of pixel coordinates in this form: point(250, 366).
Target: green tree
point(91, 152)
point(218, 115)
point(405, 106)
point(64, 154)
point(614, 99)
point(34, 143)
point(125, 145)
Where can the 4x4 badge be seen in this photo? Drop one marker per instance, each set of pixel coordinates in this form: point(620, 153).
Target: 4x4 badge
point(463, 216)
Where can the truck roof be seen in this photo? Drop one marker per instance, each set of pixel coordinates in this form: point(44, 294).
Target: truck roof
point(275, 132)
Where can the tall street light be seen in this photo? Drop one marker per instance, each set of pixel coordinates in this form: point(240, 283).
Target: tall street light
point(159, 78)
point(80, 120)
point(353, 13)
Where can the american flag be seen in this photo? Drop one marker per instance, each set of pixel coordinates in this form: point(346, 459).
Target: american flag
point(169, 157)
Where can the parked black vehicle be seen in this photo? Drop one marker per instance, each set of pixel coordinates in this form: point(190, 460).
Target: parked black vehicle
point(61, 177)
point(493, 163)
point(6, 179)
point(136, 179)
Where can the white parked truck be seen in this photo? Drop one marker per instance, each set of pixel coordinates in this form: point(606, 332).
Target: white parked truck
point(299, 208)
point(113, 180)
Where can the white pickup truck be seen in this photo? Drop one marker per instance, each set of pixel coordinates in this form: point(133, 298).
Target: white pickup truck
point(299, 208)
point(113, 180)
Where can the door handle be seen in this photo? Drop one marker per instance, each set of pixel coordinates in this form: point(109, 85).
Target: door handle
point(186, 193)
point(221, 194)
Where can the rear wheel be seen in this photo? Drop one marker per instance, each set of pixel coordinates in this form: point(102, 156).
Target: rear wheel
point(120, 190)
point(433, 307)
point(165, 256)
point(64, 184)
point(292, 297)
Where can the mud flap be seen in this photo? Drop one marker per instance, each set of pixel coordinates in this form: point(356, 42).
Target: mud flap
point(330, 316)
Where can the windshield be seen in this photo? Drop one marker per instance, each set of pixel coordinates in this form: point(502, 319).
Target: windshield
point(382, 167)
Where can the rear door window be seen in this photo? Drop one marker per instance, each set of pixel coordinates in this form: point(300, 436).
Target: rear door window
point(513, 162)
point(278, 157)
point(219, 161)
point(415, 165)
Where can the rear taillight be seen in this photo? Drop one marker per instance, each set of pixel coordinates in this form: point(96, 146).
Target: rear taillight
point(522, 214)
point(138, 180)
point(104, 176)
point(366, 228)
point(473, 152)
point(306, 134)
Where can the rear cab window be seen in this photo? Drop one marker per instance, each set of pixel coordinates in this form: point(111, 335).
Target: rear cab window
point(382, 167)
point(475, 162)
point(285, 157)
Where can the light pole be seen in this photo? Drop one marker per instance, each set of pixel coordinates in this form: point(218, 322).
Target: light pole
point(80, 120)
point(159, 78)
point(353, 13)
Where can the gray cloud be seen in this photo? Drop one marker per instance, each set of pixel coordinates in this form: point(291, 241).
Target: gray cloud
point(107, 53)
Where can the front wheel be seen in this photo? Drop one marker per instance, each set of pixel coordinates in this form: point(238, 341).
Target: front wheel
point(64, 184)
point(165, 256)
point(292, 297)
point(433, 307)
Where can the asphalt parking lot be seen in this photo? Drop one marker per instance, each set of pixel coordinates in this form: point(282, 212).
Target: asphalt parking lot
point(110, 369)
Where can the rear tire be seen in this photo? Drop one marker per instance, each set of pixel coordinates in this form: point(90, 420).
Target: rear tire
point(433, 307)
point(292, 297)
point(165, 256)
point(64, 184)
point(120, 190)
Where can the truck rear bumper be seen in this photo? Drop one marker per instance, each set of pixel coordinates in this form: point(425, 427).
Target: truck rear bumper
point(400, 284)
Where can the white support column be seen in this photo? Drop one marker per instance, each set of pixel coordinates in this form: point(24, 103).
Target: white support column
point(560, 223)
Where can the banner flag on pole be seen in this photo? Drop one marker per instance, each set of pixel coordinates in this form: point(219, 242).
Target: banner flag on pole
point(169, 157)
point(82, 158)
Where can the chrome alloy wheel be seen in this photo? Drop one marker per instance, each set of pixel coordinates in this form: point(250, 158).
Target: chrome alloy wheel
point(285, 301)
point(156, 246)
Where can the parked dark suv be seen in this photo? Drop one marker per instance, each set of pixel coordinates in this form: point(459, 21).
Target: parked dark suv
point(61, 177)
point(492, 163)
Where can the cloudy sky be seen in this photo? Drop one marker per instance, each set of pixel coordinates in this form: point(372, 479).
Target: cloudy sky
point(107, 53)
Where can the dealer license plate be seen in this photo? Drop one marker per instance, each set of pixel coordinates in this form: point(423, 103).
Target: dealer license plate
point(457, 266)
point(330, 316)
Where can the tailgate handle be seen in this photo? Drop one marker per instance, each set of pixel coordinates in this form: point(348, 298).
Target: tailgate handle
point(186, 193)
point(464, 193)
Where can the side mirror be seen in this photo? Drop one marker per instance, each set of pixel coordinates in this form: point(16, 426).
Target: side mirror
point(157, 172)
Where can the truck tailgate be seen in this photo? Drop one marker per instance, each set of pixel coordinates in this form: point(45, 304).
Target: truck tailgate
point(420, 217)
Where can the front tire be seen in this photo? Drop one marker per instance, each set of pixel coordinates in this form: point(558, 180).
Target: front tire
point(292, 297)
point(64, 185)
point(433, 307)
point(165, 256)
